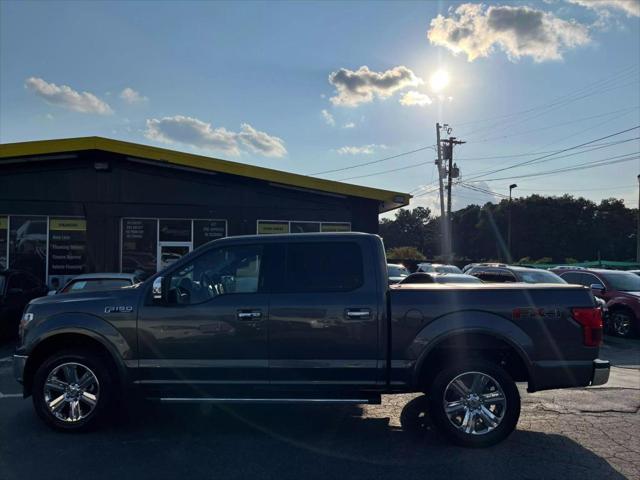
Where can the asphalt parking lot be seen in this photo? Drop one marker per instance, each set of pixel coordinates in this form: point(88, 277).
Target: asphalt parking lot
point(565, 434)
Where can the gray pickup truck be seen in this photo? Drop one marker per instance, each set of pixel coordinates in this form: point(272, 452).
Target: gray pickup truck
point(307, 318)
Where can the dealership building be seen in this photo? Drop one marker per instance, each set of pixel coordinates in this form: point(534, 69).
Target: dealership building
point(93, 204)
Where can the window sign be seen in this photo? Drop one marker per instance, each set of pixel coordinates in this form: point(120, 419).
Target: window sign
point(67, 247)
point(336, 227)
point(175, 230)
point(305, 227)
point(266, 227)
point(4, 241)
point(139, 245)
point(207, 230)
point(28, 244)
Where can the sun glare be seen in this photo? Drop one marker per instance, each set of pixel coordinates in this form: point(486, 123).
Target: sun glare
point(439, 80)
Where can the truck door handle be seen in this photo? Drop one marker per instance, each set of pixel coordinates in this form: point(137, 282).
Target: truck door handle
point(249, 314)
point(358, 313)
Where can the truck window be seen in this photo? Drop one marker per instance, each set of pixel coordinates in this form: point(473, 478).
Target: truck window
point(323, 267)
point(221, 271)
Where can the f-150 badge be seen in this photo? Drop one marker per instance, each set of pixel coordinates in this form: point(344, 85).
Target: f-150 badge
point(118, 309)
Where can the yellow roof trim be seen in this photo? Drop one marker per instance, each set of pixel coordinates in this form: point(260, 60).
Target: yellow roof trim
point(389, 199)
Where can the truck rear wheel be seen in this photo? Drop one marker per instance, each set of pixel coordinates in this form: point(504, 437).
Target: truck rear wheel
point(72, 390)
point(476, 404)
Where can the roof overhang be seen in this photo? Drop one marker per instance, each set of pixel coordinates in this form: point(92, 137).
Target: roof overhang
point(387, 200)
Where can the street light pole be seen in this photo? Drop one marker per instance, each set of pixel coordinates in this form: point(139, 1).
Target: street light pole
point(638, 226)
point(511, 187)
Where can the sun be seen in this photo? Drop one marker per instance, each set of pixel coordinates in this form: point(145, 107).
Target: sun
point(439, 80)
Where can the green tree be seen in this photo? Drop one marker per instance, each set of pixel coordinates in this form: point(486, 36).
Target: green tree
point(405, 253)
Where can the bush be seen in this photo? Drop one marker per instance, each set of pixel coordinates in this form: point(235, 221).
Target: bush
point(405, 253)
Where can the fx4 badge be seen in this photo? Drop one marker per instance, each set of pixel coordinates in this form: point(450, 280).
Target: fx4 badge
point(119, 309)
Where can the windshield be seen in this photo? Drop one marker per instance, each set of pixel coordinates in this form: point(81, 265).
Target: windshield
point(97, 284)
point(397, 271)
point(623, 281)
point(540, 276)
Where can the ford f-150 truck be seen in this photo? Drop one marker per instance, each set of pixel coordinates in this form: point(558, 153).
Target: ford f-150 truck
point(307, 318)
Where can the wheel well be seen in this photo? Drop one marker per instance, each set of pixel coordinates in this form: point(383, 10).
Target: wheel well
point(621, 307)
point(56, 343)
point(470, 346)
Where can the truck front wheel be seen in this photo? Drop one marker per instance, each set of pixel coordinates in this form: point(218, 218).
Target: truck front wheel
point(476, 404)
point(72, 390)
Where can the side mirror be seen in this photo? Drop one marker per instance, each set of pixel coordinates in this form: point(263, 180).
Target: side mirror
point(597, 288)
point(157, 290)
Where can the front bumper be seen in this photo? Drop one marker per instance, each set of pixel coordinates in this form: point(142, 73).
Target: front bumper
point(19, 362)
point(601, 370)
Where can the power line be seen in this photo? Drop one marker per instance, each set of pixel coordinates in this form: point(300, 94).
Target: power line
point(549, 127)
point(534, 160)
point(559, 101)
point(582, 166)
point(392, 170)
point(364, 164)
point(580, 152)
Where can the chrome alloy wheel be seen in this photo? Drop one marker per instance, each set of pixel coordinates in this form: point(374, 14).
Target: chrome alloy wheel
point(71, 392)
point(621, 324)
point(474, 403)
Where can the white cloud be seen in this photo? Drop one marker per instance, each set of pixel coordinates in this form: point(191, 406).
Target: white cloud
point(361, 150)
point(193, 132)
point(130, 96)
point(413, 97)
point(328, 118)
point(519, 31)
point(363, 85)
point(630, 7)
point(66, 97)
point(196, 133)
point(349, 125)
point(261, 142)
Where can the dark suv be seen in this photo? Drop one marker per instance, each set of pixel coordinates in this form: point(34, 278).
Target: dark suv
point(17, 288)
point(621, 291)
point(507, 273)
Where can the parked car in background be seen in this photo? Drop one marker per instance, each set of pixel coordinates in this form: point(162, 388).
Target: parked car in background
point(421, 277)
point(510, 273)
point(621, 291)
point(17, 289)
point(397, 272)
point(437, 268)
point(95, 282)
point(466, 268)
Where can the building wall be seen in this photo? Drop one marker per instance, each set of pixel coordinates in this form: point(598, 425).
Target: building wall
point(74, 187)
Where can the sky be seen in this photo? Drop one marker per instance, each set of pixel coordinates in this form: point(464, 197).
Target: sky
point(312, 87)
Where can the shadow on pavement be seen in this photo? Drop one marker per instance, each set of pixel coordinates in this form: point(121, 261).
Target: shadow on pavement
point(279, 442)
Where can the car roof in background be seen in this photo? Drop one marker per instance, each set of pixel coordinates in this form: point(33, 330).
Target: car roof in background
point(103, 276)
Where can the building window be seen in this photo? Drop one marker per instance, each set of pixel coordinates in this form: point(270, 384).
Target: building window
point(67, 249)
point(139, 245)
point(266, 227)
point(4, 242)
point(28, 244)
point(151, 244)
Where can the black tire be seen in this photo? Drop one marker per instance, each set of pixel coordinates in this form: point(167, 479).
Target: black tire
point(623, 323)
point(103, 391)
point(485, 435)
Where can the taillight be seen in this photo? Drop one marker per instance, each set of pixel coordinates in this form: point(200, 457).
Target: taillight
point(591, 321)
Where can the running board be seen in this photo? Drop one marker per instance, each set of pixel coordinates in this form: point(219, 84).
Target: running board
point(373, 400)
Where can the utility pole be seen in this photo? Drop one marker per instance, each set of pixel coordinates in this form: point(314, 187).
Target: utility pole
point(443, 219)
point(452, 172)
point(638, 227)
point(509, 260)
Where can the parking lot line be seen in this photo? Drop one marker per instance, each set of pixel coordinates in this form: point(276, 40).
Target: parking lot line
point(10, 395)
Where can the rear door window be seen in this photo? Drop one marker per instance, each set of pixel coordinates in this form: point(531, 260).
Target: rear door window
point(323, 267)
